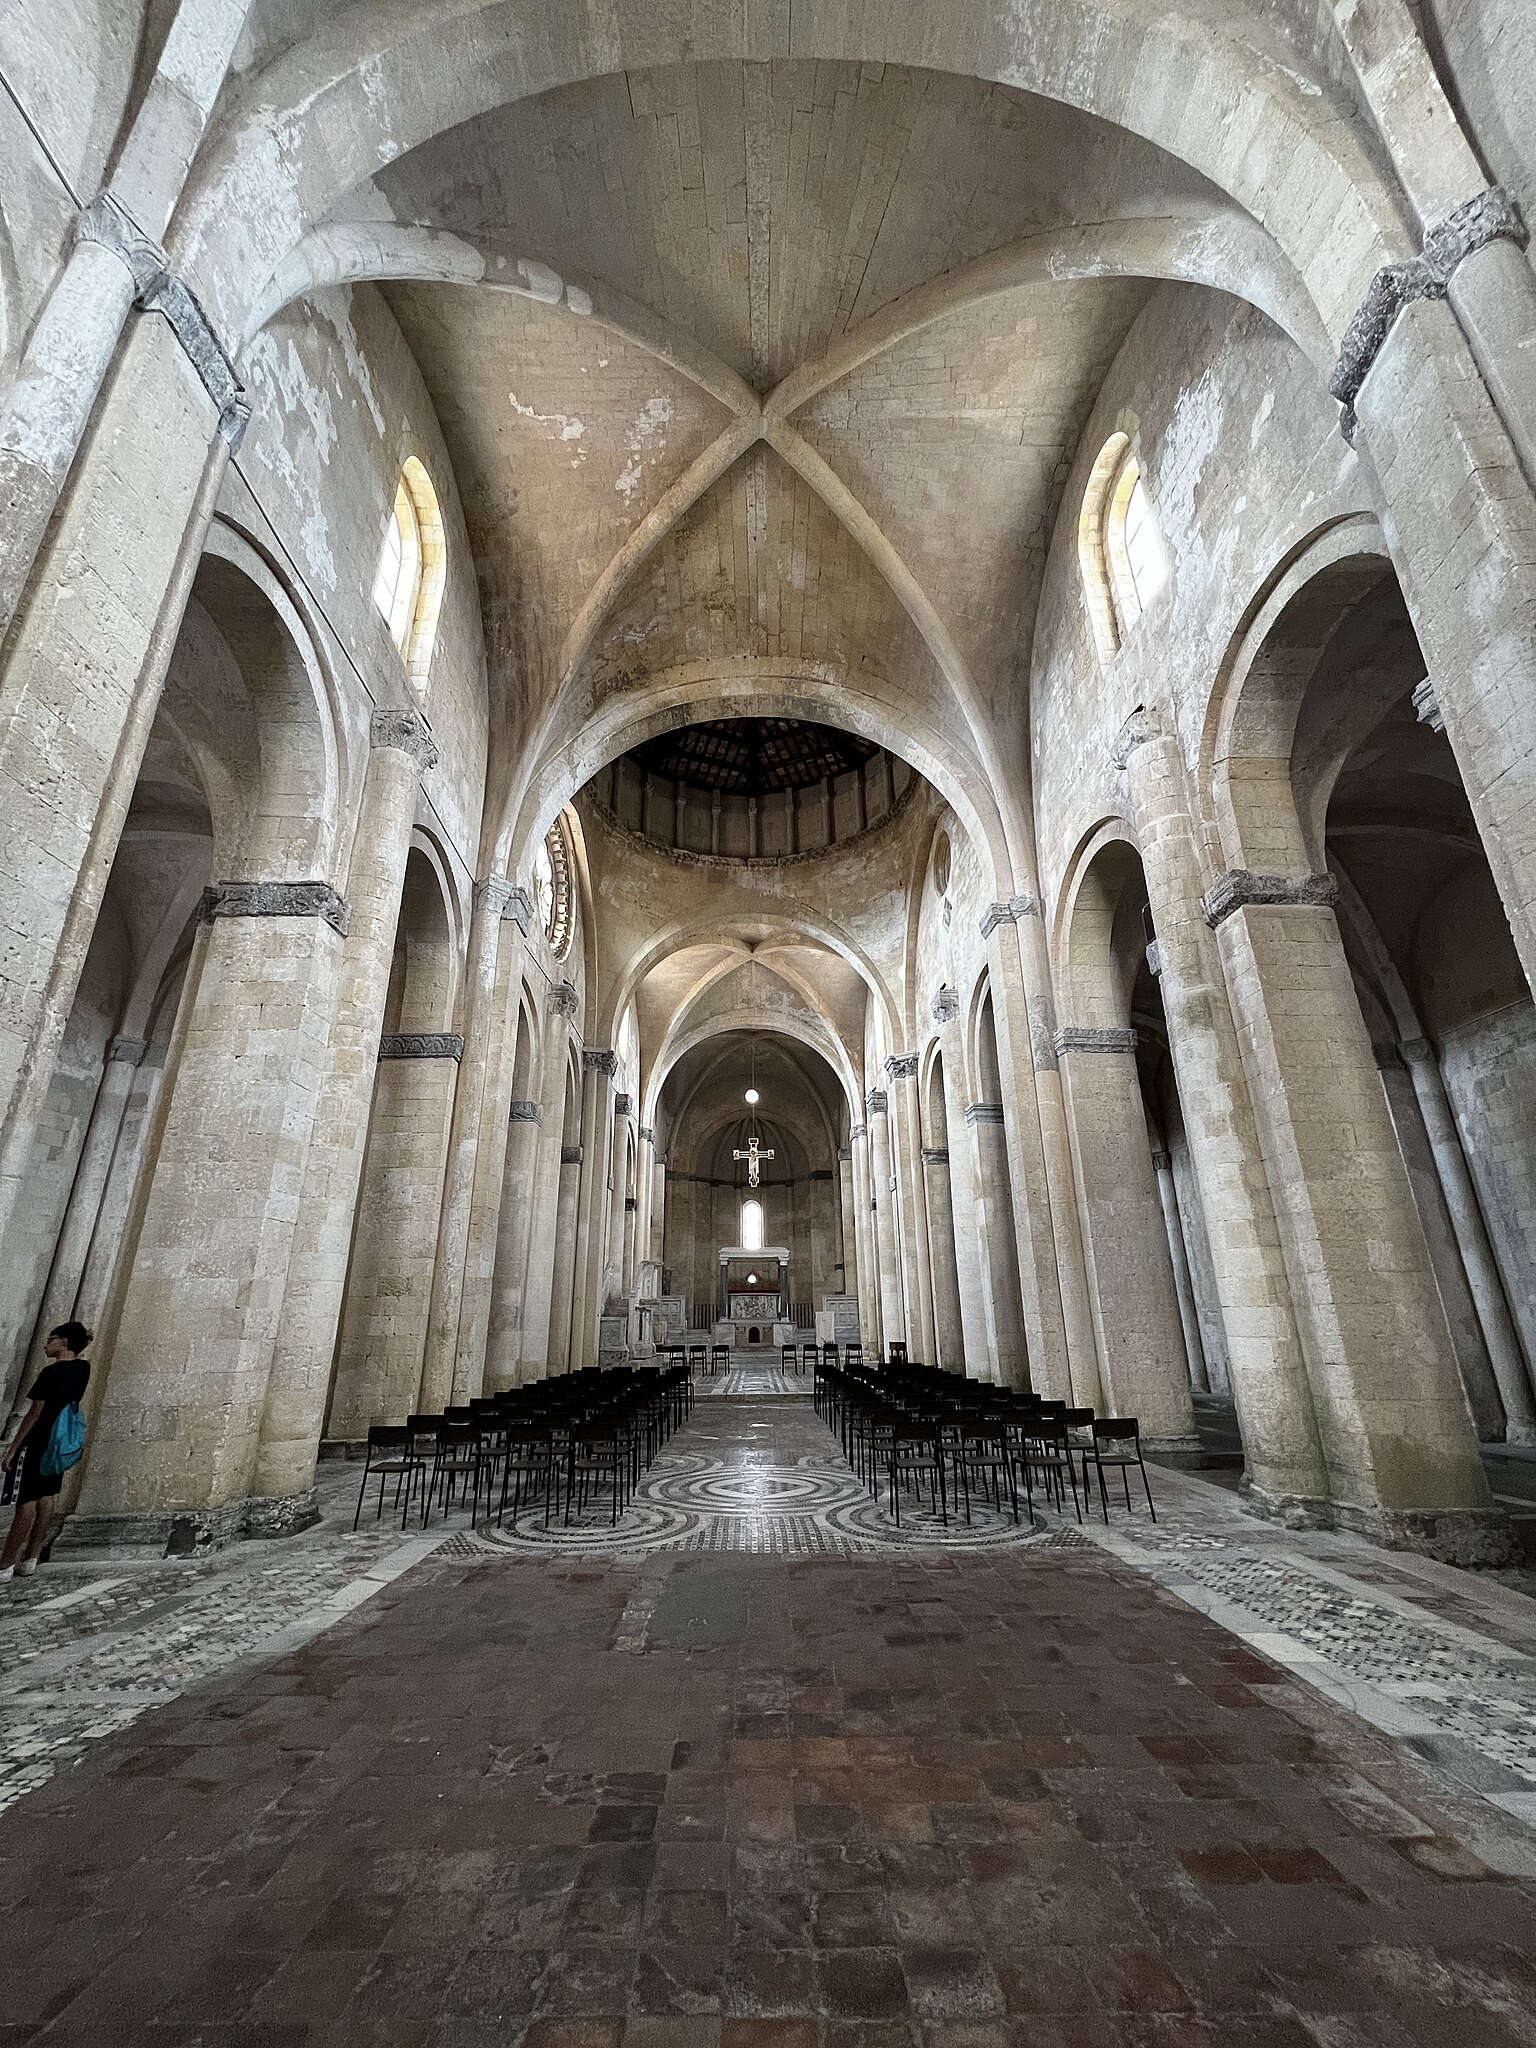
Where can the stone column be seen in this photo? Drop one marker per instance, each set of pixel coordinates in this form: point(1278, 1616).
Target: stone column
point(504, 1337)
point(98, 627)
point(1008, 1348)
point(820, 1275)
point(906, 1144)
point(180, 1424)
point(122, 1187)
point(658, 1219)
point(1270, 1386)
point(1461, 523)
point(949, 1345)
point(567, 1214)
point(848, 1230)
point(305, 1352)
point(966, 1202)
point(547, 1250)
point(893, 1321)
point(1504, 1350)
point(599, 1064)
point(864, 1226)
point(1136, 1312)
point(380, 1359)
point(1058, 1320)
point(1189, 1315)
point(61, 1295)
point(1402, 1459)
point(477, 1153)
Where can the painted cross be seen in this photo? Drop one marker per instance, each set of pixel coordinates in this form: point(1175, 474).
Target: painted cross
point(754, 1155)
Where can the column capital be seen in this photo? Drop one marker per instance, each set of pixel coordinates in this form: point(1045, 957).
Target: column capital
point(935, 1155)
point(876, 1102)
point(856, 1131)
point(822, 1173)
point(1161, 1163)
point(570, 1155)
point(1426, 704)
point(525, 1113)
point(1394, 286)
point(994, 915)
point(276, 899)
point(599, 1059)
point(563, 999)
point(421, 1045)
point(406, 731)
point(1025, 906)
point(1086, 1038)
point(128, 1050)
point(623, 1105)
point(946, 1004)
point(983, 1113)
point(845, 1152)
point(1417, 1052)
point(505, 900)
point(1488, 216)
point(1238, 888)
point(1138, 730)
point(901, 1066)
point(647, 1136)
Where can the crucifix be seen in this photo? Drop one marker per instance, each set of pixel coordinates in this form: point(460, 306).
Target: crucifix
point(754, 1156)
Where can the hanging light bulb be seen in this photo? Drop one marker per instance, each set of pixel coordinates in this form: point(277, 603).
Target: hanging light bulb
point(752, 1095)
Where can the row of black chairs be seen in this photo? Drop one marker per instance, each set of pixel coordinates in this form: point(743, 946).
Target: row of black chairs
point(565, 1441)
point(915, 1430)
point(705, 1360)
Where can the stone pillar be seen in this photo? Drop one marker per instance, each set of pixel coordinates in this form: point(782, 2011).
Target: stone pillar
point(1461, 523)
point(547, 1250)
point(966, 1203)
point(98, 628)
point(599, 1064)
point(567, 1215)
point(477, 1153)
point(180, 1423)
point(864, 1225)
point(1058, 1320)
point(906, 1143)
point(820, 1276)
point(893, 1321)
point(1136, 1312)
point(1401, 1456)
point(380, 1359)
point(1270, 1385)
point(1007, 1349)
point(847, 1230)
point(122, 1188)
point(1189, 1315)
point(306, 1348)
point(949, 1338)
point(62, 1293)
point(1482, 1273)
point(504, 1336)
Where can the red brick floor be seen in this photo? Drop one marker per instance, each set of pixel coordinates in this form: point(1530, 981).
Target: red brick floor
point(744, 1802)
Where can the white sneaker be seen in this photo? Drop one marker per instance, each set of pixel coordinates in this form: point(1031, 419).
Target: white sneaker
point(26, 1568)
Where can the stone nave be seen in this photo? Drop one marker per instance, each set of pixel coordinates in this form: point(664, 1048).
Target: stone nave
point(685, 681)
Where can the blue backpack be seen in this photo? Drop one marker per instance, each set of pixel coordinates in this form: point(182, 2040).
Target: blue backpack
point(66, 1442)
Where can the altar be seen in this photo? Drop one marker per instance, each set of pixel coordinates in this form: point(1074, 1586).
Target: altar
point(752, 1300)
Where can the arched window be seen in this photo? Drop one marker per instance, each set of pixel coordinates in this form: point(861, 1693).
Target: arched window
point(752, 1226)
point(408, 587)
point(1120, 552)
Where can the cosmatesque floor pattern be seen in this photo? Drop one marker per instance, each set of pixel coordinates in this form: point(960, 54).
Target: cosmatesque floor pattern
point(750, 1791)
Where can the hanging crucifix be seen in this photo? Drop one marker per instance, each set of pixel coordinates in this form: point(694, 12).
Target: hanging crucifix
point(754, 1155)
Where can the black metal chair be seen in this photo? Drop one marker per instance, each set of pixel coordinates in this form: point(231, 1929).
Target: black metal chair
point(390, 1454)
point(1117, 1441)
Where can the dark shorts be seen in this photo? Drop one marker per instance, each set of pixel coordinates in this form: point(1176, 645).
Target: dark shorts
point(35, 1484)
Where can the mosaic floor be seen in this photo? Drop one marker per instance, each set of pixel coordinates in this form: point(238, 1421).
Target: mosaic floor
point(751, 1381)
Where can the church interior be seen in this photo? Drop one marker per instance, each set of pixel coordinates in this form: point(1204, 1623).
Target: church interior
point(768, 1168)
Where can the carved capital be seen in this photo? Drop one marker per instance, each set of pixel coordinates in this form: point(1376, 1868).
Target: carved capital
point(1490, 216)
point(1025, 906)
point(994, 915)
point(1142, 726)
point(129, 1050)
point(276, 899)
point(630, 1205)
point(845, 1152)
point(405, 731)
point(876, 1102)
point(946, 1005)
point(493, 895)
point(525, 1113)
point(646, 1135)
point(518, 909)
point(1161, 1162)
point(599, 1059)
point(1237, 889)
point(623, 1105)
point(421, 1045)
point(570, 1155)
point(1084, 1038)
point(901, 1066)
point(1427, 705)
point(856, 1132)
point(1417, 1052)
point(1393, 287)
point(822, 1173)
point(563, 999)
point(983, 1113)
point(935, 1155)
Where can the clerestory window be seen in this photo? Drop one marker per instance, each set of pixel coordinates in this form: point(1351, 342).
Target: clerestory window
point(408, 585)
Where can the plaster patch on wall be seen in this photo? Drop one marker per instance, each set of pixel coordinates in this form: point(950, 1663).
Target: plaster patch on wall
point(571, 427)
point(340, 316)
point(277, 377)
point(647, 430)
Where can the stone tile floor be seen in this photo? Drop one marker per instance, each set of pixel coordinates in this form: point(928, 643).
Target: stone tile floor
point(1006, 1794)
